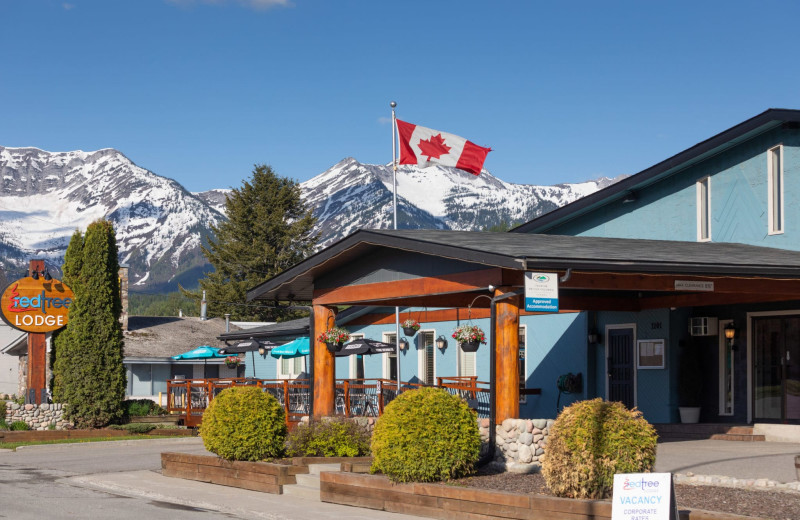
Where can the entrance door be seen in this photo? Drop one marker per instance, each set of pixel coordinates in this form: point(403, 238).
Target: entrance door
point(620, 365)
point(776, 368)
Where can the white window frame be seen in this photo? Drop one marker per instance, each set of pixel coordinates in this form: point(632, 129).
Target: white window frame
point(421, 356)
point(386, 356)
point(353, 368)
point(704, 203)
point(774, 229)
point(290, 374)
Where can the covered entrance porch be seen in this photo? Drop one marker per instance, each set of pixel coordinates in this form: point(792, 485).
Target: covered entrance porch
point(477, 270)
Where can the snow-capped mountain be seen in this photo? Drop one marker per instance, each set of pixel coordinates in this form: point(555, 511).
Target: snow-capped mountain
point(351, 195)
point(45, 197)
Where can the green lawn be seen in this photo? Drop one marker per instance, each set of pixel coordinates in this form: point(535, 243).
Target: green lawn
point(15, 445)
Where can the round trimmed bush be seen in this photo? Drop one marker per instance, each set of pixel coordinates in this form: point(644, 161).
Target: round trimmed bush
point(592, 440)
point(426, 435)
point(244, 423)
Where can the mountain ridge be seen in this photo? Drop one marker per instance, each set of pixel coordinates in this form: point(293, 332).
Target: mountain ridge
point(160, 225)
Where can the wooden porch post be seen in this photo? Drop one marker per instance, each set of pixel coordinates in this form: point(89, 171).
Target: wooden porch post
point(507, 356)
point(324, 366)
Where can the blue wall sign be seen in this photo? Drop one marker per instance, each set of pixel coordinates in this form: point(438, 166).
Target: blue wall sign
point(541, 292)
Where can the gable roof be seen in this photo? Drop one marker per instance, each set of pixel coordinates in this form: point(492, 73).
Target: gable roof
point(759, 124)
point(525, 251)
point(163, 337)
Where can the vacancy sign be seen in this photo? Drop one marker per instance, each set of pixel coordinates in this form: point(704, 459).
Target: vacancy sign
point(541, 292)
point(643, 496)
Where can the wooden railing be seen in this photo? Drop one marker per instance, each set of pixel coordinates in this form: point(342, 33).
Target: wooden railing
point(354, 397)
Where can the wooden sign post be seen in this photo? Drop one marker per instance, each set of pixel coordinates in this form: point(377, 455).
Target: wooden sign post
point(36, 304)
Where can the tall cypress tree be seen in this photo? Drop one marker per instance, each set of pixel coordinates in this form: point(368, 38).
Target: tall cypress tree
point(71, 270)
point(268, 230)
point(89, 374)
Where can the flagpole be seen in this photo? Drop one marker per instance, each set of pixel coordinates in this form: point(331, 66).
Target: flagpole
point(394, 198)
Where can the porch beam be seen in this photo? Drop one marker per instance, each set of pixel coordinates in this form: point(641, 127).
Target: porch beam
point(423, 286)
point(506, 345)
point(324, 363)
point(666, 283)
point(706, 299)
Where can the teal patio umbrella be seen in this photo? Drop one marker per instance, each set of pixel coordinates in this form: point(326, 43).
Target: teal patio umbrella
point(205, 352)
point(296, 348)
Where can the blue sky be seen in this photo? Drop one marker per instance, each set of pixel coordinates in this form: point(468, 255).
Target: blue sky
point(199, 91)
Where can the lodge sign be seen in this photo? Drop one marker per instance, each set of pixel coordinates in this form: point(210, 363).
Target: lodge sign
point(36, 305)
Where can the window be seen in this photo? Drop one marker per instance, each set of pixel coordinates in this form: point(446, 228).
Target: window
point(290, 368)
point(523, 373)
point(356, 361)
point(704, 209)
point(775, 187)
point(390, 359)
point(466, 363)
point(427, 372)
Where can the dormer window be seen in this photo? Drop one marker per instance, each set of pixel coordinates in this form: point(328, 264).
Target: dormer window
point(775, 187)
point(704, 209)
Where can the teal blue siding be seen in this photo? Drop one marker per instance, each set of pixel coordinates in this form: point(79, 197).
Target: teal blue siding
point(667, 210)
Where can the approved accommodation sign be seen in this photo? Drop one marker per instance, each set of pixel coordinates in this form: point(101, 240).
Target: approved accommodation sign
point(541, 292)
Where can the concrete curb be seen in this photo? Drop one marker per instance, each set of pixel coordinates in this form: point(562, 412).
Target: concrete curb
point(760, 484)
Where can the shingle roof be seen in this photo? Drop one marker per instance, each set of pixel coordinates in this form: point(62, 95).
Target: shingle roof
point(522, 251)
point(164, 337)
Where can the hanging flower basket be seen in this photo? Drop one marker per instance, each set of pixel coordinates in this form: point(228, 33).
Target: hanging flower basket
point(469, 337)
point(470, 346)
point(334, 338)
point(232, 361)
point(410, 327)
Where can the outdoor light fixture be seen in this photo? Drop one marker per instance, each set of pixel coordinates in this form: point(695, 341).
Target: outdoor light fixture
point(441, 342)
point(730, 334)
point(46, 273)
point(262, 351)
point(403, 343)
point(629, 197)
point(593, 337)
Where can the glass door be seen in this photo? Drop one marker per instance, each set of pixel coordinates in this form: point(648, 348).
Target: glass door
point(776, 368)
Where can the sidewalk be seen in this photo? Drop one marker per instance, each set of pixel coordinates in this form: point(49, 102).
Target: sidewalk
point(736, 463)
point(239, 502)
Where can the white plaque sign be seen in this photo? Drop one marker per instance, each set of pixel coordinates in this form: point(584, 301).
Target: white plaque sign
point(693, 285)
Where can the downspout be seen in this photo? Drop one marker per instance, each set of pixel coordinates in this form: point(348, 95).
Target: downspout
point(490, 452)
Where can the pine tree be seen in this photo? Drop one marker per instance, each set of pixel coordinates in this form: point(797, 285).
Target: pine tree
point(268, 230)
point(89, 374)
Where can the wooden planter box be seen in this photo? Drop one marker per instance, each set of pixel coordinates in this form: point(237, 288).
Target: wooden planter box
point(451, 502)
point(156, 419)
point(255, 476)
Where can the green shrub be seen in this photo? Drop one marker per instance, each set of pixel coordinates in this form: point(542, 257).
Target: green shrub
point(426, 435)
point(592, 440)
point(138, 428)
point(3, 410)
point(18, 426)
point(334, 437)
point(3, 424)
point(244, 423)
point(141, 407)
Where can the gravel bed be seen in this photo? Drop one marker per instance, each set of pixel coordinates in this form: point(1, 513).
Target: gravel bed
point(770, 504)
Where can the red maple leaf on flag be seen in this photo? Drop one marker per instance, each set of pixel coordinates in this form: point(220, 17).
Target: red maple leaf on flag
point(434, 147)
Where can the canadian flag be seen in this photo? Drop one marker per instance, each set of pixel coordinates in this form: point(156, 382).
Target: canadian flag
point(427, 147)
